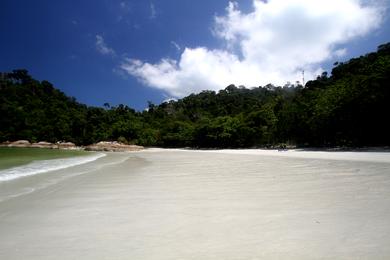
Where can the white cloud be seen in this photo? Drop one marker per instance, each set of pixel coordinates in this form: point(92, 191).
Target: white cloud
point(102, 47)
point(177, 46)
point(153, 12)
point(190, 74)
point(169, 99)
point(271, 44)
point(340, 52)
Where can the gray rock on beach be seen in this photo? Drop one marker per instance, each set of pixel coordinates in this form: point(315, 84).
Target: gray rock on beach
point(20, 143)
point(112, 147)
point(44, 144)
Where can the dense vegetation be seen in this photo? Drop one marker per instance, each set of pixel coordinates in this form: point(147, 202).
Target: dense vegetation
point(347, 108)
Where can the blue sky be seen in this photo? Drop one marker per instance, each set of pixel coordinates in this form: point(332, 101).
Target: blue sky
point(133, 51)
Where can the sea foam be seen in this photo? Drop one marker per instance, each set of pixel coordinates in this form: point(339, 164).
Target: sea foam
point(43, 166)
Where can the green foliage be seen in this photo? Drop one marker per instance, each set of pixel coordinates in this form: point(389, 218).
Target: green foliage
point(347, 108)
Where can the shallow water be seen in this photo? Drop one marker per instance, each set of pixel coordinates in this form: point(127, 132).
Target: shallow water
point(13, 156)
point(43, 166)
point(206, 205)
point(39, 175)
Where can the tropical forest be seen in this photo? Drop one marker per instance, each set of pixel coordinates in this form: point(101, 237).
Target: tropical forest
point(348, 107)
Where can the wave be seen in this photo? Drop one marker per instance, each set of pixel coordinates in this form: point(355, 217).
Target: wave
point(43, 166)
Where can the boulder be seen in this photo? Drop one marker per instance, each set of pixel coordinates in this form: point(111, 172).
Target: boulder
point(5, 144)
point(43, 144)
point(113, 147)
point(66, 145)
point(20, 143)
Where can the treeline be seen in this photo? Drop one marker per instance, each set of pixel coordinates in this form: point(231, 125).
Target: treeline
point(347, 108)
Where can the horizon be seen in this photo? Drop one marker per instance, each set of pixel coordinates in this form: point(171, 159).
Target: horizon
point(131, 52)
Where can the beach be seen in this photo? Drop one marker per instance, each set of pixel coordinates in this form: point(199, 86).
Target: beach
point(183, 204)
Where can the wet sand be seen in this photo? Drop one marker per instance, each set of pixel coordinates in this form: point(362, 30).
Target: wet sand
point(170, 204)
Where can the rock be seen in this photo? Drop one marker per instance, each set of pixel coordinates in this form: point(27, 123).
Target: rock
point(66, 145)
point(112, 147)
point(20, 143)
point(5, 144)
point(44, 145)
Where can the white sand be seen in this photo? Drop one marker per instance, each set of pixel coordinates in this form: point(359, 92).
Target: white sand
point(170, 204)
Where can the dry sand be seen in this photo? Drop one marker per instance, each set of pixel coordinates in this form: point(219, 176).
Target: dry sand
point(169, 204)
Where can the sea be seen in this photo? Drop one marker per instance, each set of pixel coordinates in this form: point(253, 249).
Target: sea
point(38, 174)
point(42, 166)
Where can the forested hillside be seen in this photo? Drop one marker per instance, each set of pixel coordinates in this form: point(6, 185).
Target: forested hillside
point(347, 108)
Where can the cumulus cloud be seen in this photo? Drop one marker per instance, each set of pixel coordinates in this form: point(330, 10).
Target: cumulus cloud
point(340, 52)
point(102, 47)
point(271, 44)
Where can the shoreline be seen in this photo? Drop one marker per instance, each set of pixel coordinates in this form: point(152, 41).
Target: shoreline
point(312, 149)
point(102, 146)
point(109, 146)
point(377, 155)
point(46, 165)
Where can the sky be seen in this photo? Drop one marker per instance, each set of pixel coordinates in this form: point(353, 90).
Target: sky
point(134, 51)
